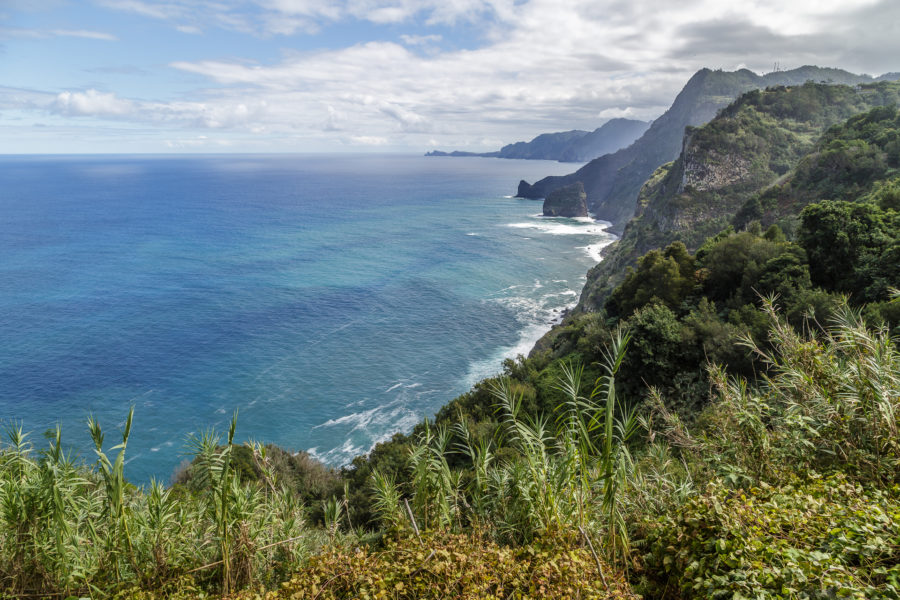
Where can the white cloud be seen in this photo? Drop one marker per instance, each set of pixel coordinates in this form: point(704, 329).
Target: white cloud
point(333, 120)
point(287, 17)
point(92, 103)
point(48, 33)
point(82, 33)
point(200, 141)
point(223, 115)
point(288, 25)
point(307, 8)
point(369, 140)
point(153, 9)
point(541, 65)
point(420, 40)
point(617, 113)
point(22, 99)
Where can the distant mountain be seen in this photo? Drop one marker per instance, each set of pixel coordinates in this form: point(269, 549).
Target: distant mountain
point(567, 146)
point(612, 181)
point(547, 146)
point(460, 153)
point(611, 136)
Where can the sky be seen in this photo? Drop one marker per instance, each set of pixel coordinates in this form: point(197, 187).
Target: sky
point(168, 76)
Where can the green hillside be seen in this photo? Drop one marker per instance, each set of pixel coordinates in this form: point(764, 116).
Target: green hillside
point(749, 148)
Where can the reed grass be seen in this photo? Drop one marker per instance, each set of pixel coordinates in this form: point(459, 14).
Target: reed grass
point(74, 529)
point(558, 478)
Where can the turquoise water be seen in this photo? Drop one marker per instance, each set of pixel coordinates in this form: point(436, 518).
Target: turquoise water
point(333, 300)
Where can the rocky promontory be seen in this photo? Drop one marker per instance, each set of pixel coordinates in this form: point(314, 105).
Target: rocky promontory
point(568, 201)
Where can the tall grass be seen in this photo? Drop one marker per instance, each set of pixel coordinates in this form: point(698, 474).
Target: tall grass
point(559, 476)
point(827, 400)
point(81, 529)
point(118, 539)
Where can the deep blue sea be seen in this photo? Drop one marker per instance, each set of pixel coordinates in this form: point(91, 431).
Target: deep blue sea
point(333, 300)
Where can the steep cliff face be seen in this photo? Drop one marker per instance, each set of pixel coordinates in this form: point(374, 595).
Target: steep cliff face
point(727, 166)
point(612, 181)
point(705, 183)
point(713, 169)
point(569, 201)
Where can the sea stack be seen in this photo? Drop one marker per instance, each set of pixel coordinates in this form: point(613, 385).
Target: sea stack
point(568, 201)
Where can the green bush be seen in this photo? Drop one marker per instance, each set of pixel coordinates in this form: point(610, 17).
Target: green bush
point(814, 538)
point(464, 567)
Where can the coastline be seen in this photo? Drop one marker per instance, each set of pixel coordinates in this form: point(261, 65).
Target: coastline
point(530, 336)
point(531, 333)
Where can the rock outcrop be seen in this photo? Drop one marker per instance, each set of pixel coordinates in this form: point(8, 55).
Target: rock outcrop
point(569, 201)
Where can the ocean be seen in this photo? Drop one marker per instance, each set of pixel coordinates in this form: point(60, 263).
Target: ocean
point(332, 300)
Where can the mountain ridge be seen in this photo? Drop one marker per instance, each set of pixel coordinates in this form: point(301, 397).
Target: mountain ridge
point(612, 181)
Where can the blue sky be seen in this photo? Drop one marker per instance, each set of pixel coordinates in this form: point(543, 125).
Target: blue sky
point(116, 76)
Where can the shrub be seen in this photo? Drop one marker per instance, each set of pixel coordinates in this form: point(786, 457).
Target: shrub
point(456, 566)
point(813, 538)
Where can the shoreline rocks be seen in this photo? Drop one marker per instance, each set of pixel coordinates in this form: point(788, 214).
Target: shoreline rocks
point(568, 201)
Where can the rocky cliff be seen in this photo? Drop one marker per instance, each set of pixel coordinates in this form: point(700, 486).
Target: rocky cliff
point(568, 201)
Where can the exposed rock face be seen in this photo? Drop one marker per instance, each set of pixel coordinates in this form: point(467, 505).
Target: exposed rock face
point(713, 170)
point(523, 185)
point(569, 201)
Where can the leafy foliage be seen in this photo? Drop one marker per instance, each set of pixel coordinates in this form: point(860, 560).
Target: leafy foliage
point(854, 247)
point(666, 276)
point(456, 566)
point(767, 526)
point(819, 538)
point(851, 160)
point(762, 158)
